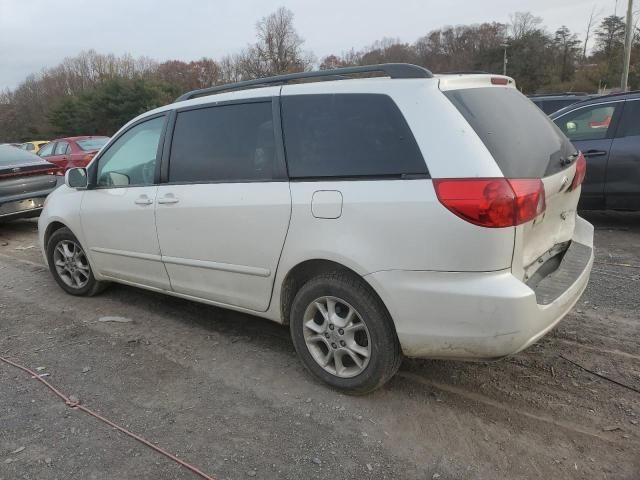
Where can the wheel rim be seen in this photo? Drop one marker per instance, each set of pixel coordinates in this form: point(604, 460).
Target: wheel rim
point(71, 264)
point(336, 337)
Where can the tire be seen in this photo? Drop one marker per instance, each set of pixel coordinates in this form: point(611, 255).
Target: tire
point(74, 274)
point(331, 353)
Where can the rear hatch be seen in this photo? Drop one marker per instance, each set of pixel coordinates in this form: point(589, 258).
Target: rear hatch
point(525, 144)
point(22, 172)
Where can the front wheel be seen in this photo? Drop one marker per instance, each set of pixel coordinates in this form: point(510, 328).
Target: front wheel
point(69, 265)
point(343, 333)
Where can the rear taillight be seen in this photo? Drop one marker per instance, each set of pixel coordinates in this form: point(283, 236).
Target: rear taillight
point(492, 202)
point(581, 172)
point(31, 173)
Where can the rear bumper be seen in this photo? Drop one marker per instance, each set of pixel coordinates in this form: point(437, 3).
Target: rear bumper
point(481, 315)
point(25, 205)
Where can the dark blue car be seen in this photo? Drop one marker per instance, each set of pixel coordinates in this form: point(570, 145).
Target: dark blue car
point(607, 130)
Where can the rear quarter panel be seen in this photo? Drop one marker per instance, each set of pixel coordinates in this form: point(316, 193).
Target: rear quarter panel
point(391, 225)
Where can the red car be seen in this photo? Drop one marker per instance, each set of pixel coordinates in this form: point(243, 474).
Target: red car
point(72, 152)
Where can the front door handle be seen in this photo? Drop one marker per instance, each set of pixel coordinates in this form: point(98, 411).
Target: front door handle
point(168, 198)
point(143, 200)
point(594, 153)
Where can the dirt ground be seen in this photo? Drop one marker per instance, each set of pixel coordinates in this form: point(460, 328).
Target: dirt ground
point(225, 391)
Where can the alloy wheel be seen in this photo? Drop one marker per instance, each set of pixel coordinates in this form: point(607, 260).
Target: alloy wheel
point(336, 336)
point(71, 264)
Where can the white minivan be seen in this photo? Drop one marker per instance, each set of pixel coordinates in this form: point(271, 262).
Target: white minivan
point(410, 214)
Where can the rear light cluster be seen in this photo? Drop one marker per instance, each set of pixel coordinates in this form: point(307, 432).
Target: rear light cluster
point(492, 202)
point(581, 172)
point(29, 173)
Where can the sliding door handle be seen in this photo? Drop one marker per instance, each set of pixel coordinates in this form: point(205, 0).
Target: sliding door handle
point(168, 199)
point(143, 200)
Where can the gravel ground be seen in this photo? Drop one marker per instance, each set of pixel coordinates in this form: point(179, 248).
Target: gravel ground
point(225, 391)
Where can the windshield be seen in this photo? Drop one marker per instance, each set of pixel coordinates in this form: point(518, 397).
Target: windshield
point(92, 143)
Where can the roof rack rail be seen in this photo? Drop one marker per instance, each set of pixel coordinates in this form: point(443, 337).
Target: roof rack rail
point(560, 94)
point(465, 72)
point(393, 70)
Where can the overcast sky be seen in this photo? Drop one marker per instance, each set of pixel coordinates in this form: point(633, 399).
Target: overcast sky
point(39, 33)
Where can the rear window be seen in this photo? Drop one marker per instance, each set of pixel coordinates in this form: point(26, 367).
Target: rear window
point(15, 156)
point(92, 144)
point(520, 137)
point(348, 135)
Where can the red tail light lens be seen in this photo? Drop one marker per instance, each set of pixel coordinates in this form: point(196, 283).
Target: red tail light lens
point(492, 202)
point(581, 172)
point(31, 173)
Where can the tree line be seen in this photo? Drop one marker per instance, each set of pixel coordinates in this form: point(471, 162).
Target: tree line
point(95, 93)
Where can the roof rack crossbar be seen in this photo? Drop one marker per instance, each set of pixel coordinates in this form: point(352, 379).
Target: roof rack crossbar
point(393, 70)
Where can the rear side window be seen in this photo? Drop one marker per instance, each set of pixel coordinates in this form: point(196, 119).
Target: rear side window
point(47, 150)
point(348, 135)
point(61, 148)
point(224, 143)
point(630, 122)
point(522, 140)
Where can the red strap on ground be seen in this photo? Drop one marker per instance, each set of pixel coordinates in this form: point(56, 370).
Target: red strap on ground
point(77, 406)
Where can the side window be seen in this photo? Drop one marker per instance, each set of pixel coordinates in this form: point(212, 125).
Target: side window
point(61, 148)
point(589, 123)
point(348, 135)
point(224, 143)
point(555, 105)
point(29, 147)
point(47, 150)
point(131, 159)
point(630, 121)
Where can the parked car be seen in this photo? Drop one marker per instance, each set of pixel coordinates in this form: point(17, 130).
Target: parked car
point(33, 146)
point(73, 151)
point(552, 102)
point(25, 182)
point(607, 130)
point(430, 216)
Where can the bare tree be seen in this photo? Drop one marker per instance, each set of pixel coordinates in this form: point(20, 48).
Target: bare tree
point(593, 17)
point(278, 48)
point(522, 24)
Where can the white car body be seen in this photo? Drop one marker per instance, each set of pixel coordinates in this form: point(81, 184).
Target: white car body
point(453, 289)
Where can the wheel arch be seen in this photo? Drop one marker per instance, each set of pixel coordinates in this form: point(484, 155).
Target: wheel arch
point(304, 271)
point(53, 227)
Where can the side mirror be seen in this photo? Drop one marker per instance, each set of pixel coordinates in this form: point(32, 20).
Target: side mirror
point(76, 178)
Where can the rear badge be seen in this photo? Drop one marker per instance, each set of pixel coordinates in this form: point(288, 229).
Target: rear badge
point(16, 169)
point(565, 180)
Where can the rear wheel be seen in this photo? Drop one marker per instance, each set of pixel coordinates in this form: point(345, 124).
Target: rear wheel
point(343, 333)
point(69, 265)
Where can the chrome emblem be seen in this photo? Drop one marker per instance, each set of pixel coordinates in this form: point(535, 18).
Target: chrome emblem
point(15, 169)
point(565, 180)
